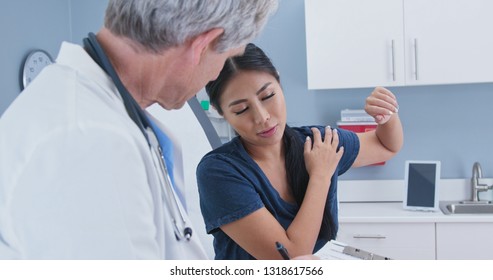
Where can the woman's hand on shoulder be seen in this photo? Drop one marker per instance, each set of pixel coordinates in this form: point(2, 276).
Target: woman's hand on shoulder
point(381, 105)
point(321, 156)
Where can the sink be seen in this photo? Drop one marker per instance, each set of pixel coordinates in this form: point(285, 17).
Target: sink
point(466, 207)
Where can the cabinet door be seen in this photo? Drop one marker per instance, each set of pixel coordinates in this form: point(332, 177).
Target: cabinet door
point(354, 43)
point(400, 241)
point(448, 41)
point(464, 241)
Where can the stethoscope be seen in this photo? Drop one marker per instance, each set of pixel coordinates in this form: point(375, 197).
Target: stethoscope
point(93, 48)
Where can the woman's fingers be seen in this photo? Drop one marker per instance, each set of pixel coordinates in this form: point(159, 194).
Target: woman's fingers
point(308, 144)
point(331, 139)
point(381, 105)
point(317, 136)
point(386, 96)
point(335, 139)
point(381, 101)
point(328, 135)
point(322, 156)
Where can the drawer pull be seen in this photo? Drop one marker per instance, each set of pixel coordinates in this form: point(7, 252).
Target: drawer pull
point(369, 236)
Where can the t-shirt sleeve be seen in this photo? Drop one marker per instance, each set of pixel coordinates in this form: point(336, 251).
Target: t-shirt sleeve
point(350, 141)
point(226, 192)
point(347, 138)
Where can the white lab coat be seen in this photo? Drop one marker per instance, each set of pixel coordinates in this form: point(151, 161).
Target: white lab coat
point(77, 179)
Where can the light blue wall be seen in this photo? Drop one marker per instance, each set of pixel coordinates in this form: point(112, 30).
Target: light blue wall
point(31, 24)
point(450, 123)
point(27, 25)
point(87, 16)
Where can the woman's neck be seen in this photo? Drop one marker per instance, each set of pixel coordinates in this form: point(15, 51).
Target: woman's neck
point(272, 153)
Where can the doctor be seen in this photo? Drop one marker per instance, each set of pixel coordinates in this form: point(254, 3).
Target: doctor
point(85, 173)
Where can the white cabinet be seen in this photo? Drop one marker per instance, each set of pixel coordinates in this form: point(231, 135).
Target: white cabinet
point(401, 241)
point(454, 42)
point(464, 241)
point(422, 241)
point(365, 43)
point(354, 43)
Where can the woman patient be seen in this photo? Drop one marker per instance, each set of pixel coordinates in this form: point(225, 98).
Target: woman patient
point(274, 182)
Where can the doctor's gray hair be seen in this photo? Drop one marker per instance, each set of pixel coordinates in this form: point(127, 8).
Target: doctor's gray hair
point(160, 24)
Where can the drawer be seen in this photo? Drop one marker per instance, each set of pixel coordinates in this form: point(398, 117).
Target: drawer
point(406, 241)
point(464, 241)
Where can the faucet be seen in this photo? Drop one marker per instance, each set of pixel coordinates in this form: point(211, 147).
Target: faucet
point(476, 187)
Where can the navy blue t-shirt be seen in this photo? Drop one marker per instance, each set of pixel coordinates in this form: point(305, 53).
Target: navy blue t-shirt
point(232, 186)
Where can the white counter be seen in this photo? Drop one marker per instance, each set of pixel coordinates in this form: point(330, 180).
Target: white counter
point(372, 218)
point(392, 212)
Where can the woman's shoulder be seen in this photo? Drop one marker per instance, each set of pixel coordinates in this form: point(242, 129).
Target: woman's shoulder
point(307, 130)
point(227, 152)
point(346, 137)
point(226, 148)
point(230, 159)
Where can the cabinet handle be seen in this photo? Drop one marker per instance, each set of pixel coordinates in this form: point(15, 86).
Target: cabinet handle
point(416, 58)
point(393, 60)
point(369, 236)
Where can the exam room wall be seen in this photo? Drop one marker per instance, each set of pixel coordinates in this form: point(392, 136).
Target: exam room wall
point(26, 25)
point(31, 24)
point(450, 123)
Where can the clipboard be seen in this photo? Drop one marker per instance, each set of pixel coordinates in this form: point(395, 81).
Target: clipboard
point(335, 250)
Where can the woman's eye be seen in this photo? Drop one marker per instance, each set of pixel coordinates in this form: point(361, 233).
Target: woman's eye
point(240, 112)
point(269, 96)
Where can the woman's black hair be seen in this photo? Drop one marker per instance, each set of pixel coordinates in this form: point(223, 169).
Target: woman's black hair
point(254, 59)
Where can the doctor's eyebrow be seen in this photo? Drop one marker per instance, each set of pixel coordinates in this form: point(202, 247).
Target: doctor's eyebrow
point(257, 93)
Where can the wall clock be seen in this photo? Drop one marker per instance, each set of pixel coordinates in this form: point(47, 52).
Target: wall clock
point(33, 64)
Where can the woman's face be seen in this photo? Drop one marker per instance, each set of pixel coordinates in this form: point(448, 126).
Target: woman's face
point(253, 104)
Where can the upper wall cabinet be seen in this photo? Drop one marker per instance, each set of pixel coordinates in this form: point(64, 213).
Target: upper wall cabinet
point(367, 43)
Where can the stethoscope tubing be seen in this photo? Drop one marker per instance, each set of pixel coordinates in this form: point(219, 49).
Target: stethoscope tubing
point(140, 119)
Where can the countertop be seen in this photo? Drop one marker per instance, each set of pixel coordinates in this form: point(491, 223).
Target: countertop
point(393, 212)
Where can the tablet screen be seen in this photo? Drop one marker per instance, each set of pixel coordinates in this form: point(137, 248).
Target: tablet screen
point(422, 185)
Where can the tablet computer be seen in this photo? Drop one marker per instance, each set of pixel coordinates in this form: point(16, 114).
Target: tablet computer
point(422, 179)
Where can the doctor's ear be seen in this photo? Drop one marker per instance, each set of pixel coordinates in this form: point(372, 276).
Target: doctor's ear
point(204, 42)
